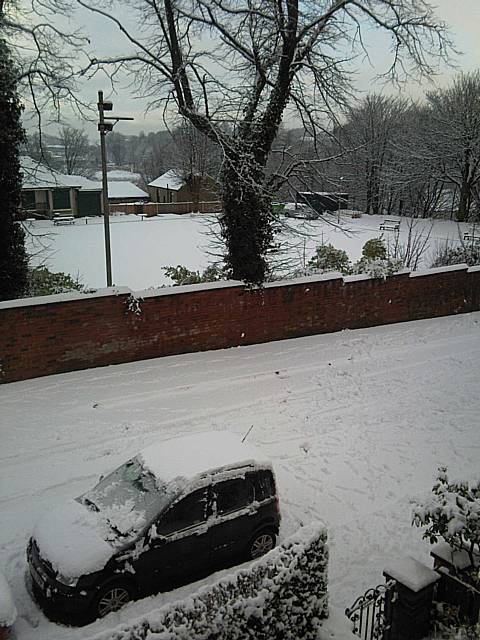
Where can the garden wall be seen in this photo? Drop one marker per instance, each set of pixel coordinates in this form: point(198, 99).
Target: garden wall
point(68, 332)
point(282, 595)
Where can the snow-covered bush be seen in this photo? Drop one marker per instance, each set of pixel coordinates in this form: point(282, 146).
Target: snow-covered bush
point(374, 249)
point(281, 595)
point(181, 275)
point(42, 282)
point(378, 268)
point(464, 254)
point(452, 513)
point(328, 258)
point(375, 261)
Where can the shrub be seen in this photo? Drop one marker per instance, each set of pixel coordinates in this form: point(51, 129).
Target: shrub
point(374, 249)
point(464, 254)
point(453, 514)
point(42, 282)
point(282, 595)
point(181, 275)
point(328, 258)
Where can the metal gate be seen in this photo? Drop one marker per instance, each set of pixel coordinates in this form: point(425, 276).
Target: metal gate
point(369, 613)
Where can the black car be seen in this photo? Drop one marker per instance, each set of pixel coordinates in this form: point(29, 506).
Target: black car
point(175, 512)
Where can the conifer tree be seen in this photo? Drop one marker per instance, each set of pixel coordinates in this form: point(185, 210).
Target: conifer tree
point(13, 257)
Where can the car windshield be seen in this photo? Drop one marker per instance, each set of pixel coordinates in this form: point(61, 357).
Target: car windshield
point(129, 498)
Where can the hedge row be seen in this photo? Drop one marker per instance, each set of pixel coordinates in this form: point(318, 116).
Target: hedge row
point(282, 595)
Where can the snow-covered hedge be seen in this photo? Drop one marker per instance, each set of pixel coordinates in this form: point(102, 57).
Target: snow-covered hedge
point(282, 595)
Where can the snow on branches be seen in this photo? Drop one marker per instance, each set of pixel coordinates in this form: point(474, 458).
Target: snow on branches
point(452, 513)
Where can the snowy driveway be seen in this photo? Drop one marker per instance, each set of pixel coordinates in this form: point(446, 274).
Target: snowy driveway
point(355, 422)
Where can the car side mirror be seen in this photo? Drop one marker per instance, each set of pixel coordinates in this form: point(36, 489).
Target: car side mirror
point(101, 478)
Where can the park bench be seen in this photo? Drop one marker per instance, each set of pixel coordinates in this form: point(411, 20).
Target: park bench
point(471, 236)
point(390, 225)
point(64, 220)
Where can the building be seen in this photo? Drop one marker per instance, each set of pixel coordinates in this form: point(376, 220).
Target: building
point(321, 201)
point(172, 187)
point(47, 193)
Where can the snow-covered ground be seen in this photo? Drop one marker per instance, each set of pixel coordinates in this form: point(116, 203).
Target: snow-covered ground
point(140, 248)
point(356, 424)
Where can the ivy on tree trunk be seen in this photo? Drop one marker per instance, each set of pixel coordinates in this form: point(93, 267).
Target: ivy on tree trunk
point(13, 258)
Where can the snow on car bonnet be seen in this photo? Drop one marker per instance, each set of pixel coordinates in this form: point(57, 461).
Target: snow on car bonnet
point(190, 456)
point(70, 539)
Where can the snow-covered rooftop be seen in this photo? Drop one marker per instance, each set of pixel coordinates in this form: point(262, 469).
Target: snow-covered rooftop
point(38, 176)
point(196, 454)
point(124, 189)
point(168, 180)
point(119, 174)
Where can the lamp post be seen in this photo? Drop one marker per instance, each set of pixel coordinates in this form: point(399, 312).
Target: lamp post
point(104, 128)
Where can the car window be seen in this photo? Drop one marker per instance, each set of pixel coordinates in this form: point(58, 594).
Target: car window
point(264, 485)
point(187, 512)
point(233, 494)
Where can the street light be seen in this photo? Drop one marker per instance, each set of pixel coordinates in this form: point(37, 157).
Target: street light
point(104, 128)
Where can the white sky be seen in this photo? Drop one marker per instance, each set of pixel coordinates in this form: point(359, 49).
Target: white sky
point(463, 17)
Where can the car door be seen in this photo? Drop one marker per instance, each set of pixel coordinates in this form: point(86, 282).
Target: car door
point(178, 545)
point(232, 516)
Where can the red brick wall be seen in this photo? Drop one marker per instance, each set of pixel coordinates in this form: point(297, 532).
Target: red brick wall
point(58, 335)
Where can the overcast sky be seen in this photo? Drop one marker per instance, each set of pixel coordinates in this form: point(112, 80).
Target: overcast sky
point(463, 17)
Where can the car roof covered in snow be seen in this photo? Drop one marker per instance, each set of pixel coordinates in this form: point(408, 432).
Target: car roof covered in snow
point(198, 454)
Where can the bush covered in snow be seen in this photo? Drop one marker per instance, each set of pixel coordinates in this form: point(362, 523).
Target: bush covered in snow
point(464, 254)
point(452, 513)
point(181, 275)
point(282, 595)
point(374, 261)
point(328, 258)
point(43, 282)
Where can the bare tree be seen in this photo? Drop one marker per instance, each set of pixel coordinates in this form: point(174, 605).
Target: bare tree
point(196, 159)
point(263, 56)
point(371, 138)
point(47, 57)
point(75, 149)
point(455, 137)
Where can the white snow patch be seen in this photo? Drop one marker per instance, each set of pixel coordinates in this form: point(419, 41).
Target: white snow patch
point(8, 612)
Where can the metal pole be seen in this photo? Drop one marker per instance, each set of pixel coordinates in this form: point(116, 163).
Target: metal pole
point(106, 208)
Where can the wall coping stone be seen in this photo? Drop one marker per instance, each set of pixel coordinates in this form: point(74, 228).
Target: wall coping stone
point(411, 573)
point(434, 270)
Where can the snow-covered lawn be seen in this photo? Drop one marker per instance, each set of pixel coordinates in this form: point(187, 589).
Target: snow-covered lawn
point(140, 248)
point(356, 424)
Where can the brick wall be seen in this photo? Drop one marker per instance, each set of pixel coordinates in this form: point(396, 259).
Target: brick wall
point(55, 334)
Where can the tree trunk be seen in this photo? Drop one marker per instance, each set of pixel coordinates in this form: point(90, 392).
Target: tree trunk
point(247, 221)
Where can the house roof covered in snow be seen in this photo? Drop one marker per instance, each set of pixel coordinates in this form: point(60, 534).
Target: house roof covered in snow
point(196, 454)
point(38, 176)
point(119, 174)
point(168, 180)
point(124, 189)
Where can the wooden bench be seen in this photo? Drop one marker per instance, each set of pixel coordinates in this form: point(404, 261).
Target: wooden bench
point(64, 220)
point(390, 225)
point(471, 236)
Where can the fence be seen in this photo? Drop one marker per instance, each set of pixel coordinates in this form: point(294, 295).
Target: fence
point(369, 615)
point(154, 208)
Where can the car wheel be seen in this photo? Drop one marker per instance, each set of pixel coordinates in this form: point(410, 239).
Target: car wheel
point(112, 598)
point(260, 544)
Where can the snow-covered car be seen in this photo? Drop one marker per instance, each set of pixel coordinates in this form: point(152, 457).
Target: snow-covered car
point(8, 612)
point(176, 511)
